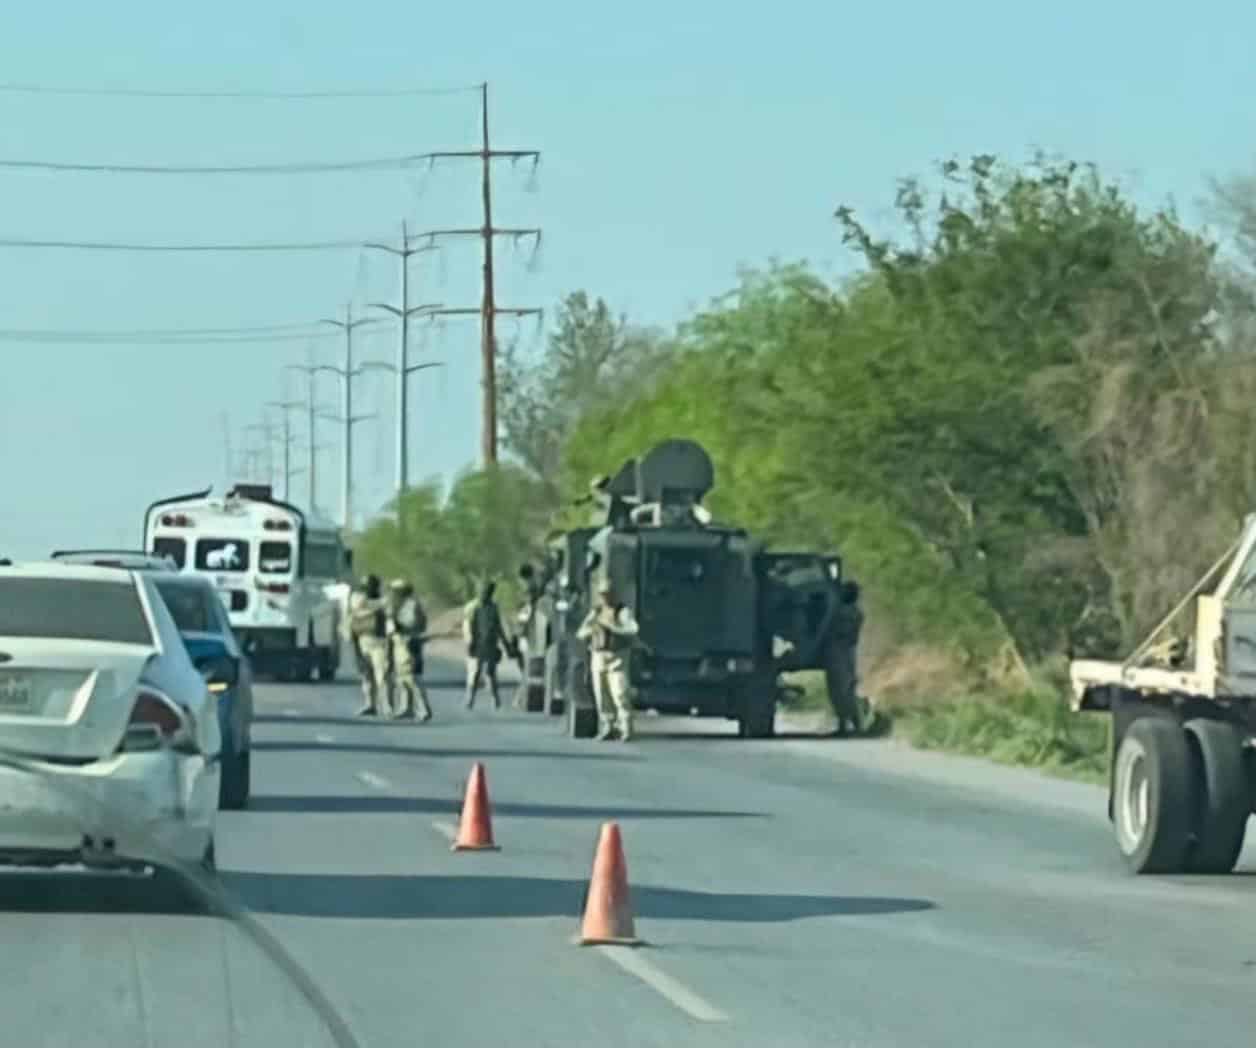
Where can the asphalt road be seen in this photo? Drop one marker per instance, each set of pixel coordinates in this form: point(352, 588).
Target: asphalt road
point(794, 892)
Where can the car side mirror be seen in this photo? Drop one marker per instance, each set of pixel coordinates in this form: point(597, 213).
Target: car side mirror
point(220, 672)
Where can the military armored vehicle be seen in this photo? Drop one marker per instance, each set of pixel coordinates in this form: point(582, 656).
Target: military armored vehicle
point(721, 617)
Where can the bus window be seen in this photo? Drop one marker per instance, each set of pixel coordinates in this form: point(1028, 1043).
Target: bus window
point(222, 555)
point(322, 561)
point(174, 548)
point(275, 558)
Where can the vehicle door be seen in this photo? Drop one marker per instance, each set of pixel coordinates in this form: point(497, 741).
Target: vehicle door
point(798, 599)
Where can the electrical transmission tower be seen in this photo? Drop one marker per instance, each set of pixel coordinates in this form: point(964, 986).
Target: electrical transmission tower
point(286, 439)
point(488, 309)
point(348, 375)
point(313, 412)
point(403, 369)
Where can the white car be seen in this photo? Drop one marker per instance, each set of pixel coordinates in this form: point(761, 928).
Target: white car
point(109, 735)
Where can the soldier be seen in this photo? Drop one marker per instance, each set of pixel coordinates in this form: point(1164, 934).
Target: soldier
point(367, 624)
point(611, 632)
point(840, 674)
point(485, 637)
point(407, 622)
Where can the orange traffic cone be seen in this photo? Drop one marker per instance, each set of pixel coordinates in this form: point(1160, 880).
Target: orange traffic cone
point(607, 908)
point(475, 831)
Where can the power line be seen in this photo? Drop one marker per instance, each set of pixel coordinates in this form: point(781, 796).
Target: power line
point(293, 168)
point(256, 329)
point(90, 338)
point(413, 92)
point(110, 245)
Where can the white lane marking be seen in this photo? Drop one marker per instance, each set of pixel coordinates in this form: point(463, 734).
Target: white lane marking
point(446, 829)
point(371, 779)
point(292, 713)
point(680, 995)
point(323, 737)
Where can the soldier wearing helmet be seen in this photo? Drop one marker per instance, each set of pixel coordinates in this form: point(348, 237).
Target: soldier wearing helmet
point(366, 626)
point(406, 625)
point(486, 638)
point(840, 674)
point(611, 632)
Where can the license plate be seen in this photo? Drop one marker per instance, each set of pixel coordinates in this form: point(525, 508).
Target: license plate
point(17, 693)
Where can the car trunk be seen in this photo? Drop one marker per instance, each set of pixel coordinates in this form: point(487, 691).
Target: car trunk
point(67, 702)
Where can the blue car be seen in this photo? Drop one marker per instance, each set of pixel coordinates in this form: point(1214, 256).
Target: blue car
point(202, 622)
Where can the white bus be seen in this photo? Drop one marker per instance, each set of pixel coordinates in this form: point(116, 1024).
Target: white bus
point(281, 573)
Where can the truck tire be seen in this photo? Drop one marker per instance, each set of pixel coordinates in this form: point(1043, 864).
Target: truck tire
point(1154, 796)
point(553, 701)
point(758, 711)
point(1223, 803)
point(534, 683)
point(581, 710)
point(581, 721)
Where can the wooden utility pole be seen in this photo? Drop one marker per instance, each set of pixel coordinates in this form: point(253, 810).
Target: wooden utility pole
point(488, 309)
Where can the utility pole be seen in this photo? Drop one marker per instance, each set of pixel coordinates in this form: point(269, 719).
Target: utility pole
point(226, 445)
point(402, 367)
point(267, 453)
point(489, 310)
point(347, 418)
point(312, 414)
point(286, 438)
point(252, 463)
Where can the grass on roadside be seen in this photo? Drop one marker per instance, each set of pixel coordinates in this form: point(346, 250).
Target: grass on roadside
point(1033, 728)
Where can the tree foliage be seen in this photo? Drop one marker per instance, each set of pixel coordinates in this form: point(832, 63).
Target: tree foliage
point(447, 545)
point(591, 357)
point(1026, 422)
point(989, 420)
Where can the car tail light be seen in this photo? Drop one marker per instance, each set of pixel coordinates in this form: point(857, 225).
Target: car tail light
point(176, 520)
point(274, 587)
point(277, 525)
point(155, 722)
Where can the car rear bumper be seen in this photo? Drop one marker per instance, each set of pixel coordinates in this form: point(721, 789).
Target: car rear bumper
point(139, 808)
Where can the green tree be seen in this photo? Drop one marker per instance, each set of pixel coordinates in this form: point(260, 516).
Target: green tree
point(591, 358)
point(447, 545)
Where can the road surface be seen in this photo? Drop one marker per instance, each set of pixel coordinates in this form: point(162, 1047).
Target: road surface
point(792, 892)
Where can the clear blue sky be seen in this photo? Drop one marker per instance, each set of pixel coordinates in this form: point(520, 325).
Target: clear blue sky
point(680, 141)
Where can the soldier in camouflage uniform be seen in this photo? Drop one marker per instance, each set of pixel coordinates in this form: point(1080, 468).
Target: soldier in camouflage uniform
point(407, 622)
point(486, 638)
point(366, 625)
point(839, 673)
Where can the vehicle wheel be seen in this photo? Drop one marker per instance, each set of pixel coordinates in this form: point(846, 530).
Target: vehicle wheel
point(758, 710)
point(233, 791)
point(1223, 803)
point(553, 702)
point(327, 668)
point(1154, 800)
point(581, 721)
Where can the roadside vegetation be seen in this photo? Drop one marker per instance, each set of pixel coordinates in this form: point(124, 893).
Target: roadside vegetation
point(1025, 423)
